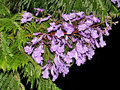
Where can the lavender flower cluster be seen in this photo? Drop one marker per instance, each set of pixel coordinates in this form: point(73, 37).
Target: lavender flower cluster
point(116, 1)
point(72, 38)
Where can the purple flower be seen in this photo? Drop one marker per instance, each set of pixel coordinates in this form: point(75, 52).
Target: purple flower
point(115, 22)
point(69, 45)
point(65, 25)
point(85, 49)
point(95, 19)
point(60, 65)
point(66, 37)
point(114, 1)
point(94, 34)
point(108, 26)
point(45, 73)
point(35, 34)
point(51, 28)
point(83, 34)
point(106, 32)
point(37, 20)
point(74, 39)
point(62, 55)
point(38, 10)
point(46, 66)
point(89, 22)
point(118, 1)
point(37, 54)
point(40, 38)
point(52, 24)
point(69, 28)
point(64, 41)
point(48, 37)
point(54, 72)
point(78, 61)
point(59, 33)
point(88, 31)
point(89, 16)
point(82, 27)
point(54, 46)
point(96, 43)
point(102, 42)
point(75, 19)
point(58, 62)
point(36, 40)
point(72, 53)
point(86, 40)
point(38, 59)
point(26, 17)
point(81, 44)
point(28, 49)
point(80, 14)
point(44, 19)
point(23, 20)
point(60, 49)
point(57, 26)
point(72, 15)
point(65, 70)
point(90, 53)
point(80, 48)
point(81, 60)
point(65, 17)
point(67, 59)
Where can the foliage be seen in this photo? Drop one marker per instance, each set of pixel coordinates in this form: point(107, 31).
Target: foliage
point(13, 37)
point(11, 81)
point(11, 51)
point(4, 11)
point(33, 75)
point(101, 7)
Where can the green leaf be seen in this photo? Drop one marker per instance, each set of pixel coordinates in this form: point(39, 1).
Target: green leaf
point(4, 11)
point(12, 42)
point(47, 55)
point(35, 76)
point(10, 81)
point(64, 5)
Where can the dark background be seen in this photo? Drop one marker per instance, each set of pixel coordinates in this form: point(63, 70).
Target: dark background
point(99, 73)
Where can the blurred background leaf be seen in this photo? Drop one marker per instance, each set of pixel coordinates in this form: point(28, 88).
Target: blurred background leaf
point(101, 8)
